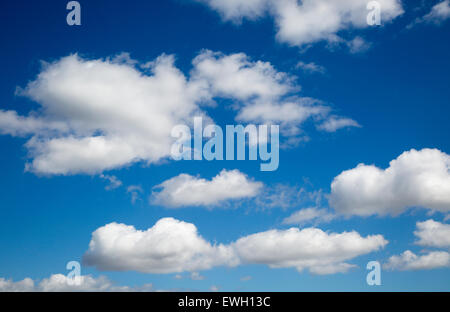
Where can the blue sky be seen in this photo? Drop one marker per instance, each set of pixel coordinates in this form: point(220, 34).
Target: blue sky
point(396, 90)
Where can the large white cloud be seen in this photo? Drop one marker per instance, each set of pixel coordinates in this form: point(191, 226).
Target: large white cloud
point(61, 283)
point(310, 248)
point(415, 179)
point(102, 114)
point(169, 246)
point(174, 246)
point(307, 21)
point(187, 190)
point(97, 115)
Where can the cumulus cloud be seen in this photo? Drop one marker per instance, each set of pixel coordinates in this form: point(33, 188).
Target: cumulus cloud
point(433, 234)
point(236, 76)
point(103, 114)
point(312, 215)
point(97, 115)
point(430, 233)
point(61, 283)
point(415, 179)
point(310, 248)
point(358, 45)
point(170, 246)
point(186, 190)
point(410, 261)
point(305, 22)
point(173, 246)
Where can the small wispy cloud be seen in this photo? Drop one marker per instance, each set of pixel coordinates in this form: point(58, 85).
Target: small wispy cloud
point(113, 181)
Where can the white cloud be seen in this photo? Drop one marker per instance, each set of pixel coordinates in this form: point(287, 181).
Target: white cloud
point(61, 283)
point(103, 114)
point(430, 233)
point(415, 179)
point(170, 246)
point(98, 115)
point(311, 68)
point(433, 234)
point(195, 276)
point(439, 13)
point(236, 76)
point(310, 248)
point(410, 261)
point(263, 94)
point(186, 190)
point(173, 246)
point(309, 21)
point(24, 285)
point(334, 123)
point(358, 45)
point(114, 182)
point(286, 196)
point(309, 215)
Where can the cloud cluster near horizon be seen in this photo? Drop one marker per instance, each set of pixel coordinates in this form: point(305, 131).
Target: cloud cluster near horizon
point(61, 283)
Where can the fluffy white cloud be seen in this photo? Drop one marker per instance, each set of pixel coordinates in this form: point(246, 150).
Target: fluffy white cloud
point(430, 233)
point(236, 76)
point(415, 179)
point(173, 246)
point(307, 21)
point(262, 94)
point(61, 283)
point(186, 190)
point(309, 215)
point(433, 234)
point(26, 284)
point(97, 115)
point(170, 246)
point(410, 261)
point(310, 248)
point(103, 114)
